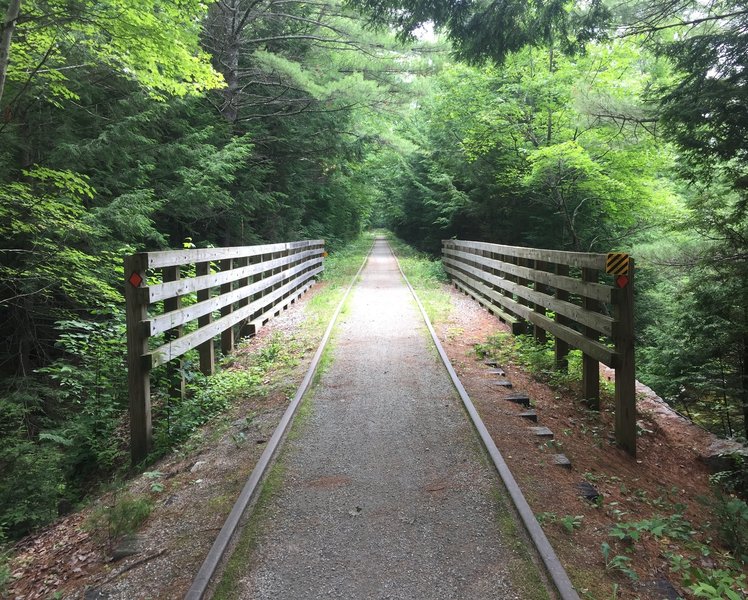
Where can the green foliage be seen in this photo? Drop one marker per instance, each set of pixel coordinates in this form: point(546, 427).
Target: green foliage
point(492, 30)
point(167, 59)
point(716, 584)
point(732, 522)
point(569, 523)
point(5, 574)
point(673, 527)
point(123, 516)
point(617, 562)
point(91, 381)
point(33, 475)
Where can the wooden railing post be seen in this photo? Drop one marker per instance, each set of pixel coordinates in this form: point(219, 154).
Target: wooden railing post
point(138, 371)
point(561, 347)
point(227, 335)
point(538, 332)
point(245, 328)
point(590, 367)
point(625, 418)
point(206, 350)
point(174, 370)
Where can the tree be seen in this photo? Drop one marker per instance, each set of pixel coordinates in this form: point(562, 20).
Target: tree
point(39, 38)
point(493, 29)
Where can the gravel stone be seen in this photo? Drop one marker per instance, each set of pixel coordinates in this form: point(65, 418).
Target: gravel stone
point(386, 493)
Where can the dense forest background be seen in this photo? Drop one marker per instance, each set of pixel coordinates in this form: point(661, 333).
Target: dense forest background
point(585, 126)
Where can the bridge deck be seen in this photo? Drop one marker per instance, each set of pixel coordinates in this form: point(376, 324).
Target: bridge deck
point(385, 491)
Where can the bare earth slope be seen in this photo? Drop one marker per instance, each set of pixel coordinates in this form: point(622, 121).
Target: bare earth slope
point(386, 492)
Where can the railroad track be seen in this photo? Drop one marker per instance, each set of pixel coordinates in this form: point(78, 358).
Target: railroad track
point(211, 567)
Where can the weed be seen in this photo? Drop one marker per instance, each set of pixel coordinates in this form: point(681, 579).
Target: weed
point(546, 517)
point(124, 516)
point(618, 562)
point(568, 522)
point(239, 438)
point(156, 486)
point(571, 522)
point(5, 575)
point(715, 584)
point(733, 524)
point(674, 527)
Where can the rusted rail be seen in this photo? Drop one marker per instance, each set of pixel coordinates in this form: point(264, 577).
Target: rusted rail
point(182, 299)
point(560, 293)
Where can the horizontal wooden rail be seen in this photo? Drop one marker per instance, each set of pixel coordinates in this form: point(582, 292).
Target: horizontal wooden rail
point(166, 319)
point(559, 293)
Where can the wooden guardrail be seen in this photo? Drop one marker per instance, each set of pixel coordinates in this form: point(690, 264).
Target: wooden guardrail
point(521, 286)
point(245, 285)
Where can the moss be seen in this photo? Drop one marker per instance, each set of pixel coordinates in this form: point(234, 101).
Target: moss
point(524, 573)
point(236, 567)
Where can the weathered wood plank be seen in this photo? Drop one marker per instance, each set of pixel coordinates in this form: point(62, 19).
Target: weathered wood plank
point(206, 349)
point(158, 292)
point(625, 395)
point(590, 367)
point(227, 335)
point(574, 259)
point(138, 375)
point(595, 349)
point(170, 258)
point(596, 291)
point(175, 373)
point(205, 334)
point(166, 321)
point(599, 322)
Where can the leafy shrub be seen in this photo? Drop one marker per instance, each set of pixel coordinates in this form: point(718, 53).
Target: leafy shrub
point(33, 478)
point(206, 397)
point(91, 381)
point(716, 584)
point(674, 527)
point(733, 524)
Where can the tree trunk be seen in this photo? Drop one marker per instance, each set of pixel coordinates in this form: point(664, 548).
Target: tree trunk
point(551, 71)
point(224, 43)
point(9, 24)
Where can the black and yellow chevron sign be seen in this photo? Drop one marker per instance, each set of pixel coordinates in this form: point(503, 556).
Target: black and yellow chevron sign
point(617, 263)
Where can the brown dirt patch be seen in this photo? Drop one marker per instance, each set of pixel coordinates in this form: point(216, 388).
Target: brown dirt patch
point(331, 482)
point(667, 472)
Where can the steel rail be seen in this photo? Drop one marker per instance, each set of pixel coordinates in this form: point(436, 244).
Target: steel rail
point(553, 566)
point(212, 561)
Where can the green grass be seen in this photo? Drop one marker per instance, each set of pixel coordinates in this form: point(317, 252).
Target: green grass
point(426, 275)
point(340, 267)
point(538, 359)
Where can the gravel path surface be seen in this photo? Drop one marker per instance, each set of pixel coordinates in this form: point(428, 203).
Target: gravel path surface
point(386, 493)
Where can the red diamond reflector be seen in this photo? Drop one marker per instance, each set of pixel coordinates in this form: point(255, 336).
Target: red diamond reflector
point(135, 279)
point(622, 281)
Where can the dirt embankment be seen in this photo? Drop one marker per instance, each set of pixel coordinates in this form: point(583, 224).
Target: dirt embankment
point(668, 477)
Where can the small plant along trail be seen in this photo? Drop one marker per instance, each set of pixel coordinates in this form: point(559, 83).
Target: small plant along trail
point(382, 490)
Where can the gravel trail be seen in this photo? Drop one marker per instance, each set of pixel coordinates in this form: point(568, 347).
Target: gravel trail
point(386, 493)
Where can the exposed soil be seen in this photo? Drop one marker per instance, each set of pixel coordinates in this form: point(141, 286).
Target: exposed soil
point(668, 469)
